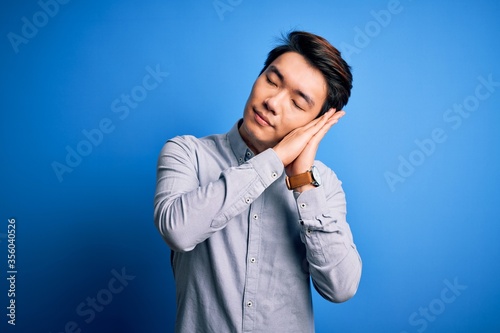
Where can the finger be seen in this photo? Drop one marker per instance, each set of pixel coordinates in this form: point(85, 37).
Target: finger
point(311, 128)
point(319, 120)
point(331, 111)
point(317, 123)
point(339, 114)
point(332, 119)
point(318, 136)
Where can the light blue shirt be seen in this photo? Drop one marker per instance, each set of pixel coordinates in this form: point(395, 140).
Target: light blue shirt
point(244, 247)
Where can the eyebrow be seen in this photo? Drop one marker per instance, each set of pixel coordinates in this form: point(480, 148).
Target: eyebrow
point(306, 97)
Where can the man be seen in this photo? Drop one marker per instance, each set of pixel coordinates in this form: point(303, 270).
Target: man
point(250, 216)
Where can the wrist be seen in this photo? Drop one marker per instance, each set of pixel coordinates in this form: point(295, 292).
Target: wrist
point(304, 188)
point(278, 152)
point(304, 181)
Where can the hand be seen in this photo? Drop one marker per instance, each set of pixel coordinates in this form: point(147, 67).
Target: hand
point(297, 150)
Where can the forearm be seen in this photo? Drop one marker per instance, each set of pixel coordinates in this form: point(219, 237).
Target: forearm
point(335, 265)
point(188, 211)
point(335, 277)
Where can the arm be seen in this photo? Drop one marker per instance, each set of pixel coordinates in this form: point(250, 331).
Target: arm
point(187, 213)
point(335, 265)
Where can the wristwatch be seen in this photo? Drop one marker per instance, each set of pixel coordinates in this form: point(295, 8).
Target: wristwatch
point(309, 177)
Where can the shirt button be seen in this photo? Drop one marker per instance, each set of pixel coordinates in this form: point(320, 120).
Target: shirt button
point(255, 216)
point(249, 153)
point(240, 159)
point(308, 231)
point(253, 260)
point(248, 200)
point(303, 205)
point(274, 175)
point(249, 304)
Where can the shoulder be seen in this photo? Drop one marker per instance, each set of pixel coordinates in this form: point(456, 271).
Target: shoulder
point(325, 170)
point(207, 156)
point(328, 176)
point(191, 143)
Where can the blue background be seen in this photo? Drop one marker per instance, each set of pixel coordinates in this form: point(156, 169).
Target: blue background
point(435, 225)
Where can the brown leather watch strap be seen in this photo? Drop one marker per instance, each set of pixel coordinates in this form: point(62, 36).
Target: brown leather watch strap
point(299, 180)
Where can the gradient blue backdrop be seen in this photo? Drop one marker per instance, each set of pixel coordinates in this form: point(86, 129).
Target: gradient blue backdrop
point(438, 226)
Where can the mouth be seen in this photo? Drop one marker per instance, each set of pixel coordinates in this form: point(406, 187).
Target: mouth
point(261, 119)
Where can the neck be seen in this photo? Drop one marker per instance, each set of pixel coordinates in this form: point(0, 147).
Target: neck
point(254, 147)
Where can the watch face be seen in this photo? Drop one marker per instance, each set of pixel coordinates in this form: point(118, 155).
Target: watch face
point(316, 177)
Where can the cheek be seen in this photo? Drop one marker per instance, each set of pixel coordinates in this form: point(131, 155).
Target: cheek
point(251, 100)
point(259, 88)
point(292, 121)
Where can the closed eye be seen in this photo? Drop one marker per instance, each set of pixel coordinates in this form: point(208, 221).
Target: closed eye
point(270, 82)
point(297, 106)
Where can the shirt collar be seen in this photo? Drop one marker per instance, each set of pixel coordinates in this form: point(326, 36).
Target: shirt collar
point(238, 146)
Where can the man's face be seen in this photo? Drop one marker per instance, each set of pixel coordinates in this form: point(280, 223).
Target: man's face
point(287, 95)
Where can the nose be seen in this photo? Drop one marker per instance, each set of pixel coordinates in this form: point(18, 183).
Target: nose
point(274, 103)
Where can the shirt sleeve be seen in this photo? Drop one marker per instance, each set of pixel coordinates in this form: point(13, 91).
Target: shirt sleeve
point(334, 262)
point(186, 212)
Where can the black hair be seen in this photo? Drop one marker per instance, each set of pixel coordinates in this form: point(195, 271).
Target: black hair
point(323, 56)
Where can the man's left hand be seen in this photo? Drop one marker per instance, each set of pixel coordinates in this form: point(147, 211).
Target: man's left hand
point(298, 148)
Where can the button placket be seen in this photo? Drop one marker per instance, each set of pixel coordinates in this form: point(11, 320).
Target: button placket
point(252, 268)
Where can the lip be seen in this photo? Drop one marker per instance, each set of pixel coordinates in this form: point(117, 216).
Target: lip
point(261, 119)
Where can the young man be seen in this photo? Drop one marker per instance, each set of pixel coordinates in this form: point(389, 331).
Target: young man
point(250, 216)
